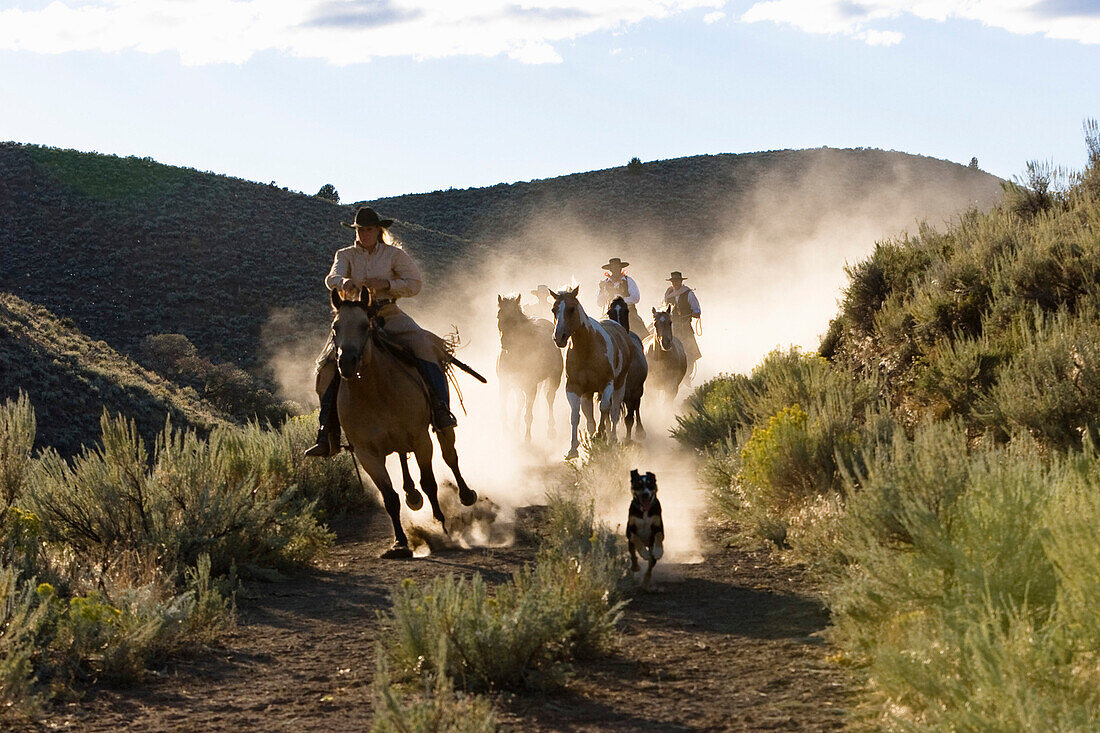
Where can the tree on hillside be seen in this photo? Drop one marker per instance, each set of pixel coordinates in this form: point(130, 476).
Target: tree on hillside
point(973, 164)
point(329, 192)
point(635, 165)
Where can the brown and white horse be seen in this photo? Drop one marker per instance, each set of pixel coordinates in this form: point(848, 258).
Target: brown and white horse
point(666, 357)
point(528, 358)
point(619, 312)
point(384, 409)
point(596, 364)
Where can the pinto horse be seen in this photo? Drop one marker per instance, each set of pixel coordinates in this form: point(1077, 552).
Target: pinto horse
point(528, 358)
point(596, 364)
point(666, 357)
point(619, 312)
point(383, 407)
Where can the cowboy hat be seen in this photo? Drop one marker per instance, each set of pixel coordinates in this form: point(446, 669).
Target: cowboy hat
point(676, 275)
point(542, 291)
point(367, 217)
point(615, 264)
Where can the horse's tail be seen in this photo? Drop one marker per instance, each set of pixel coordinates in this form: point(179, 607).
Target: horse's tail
point(465, 367)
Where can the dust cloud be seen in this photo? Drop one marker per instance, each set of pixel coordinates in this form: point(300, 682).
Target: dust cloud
point(770, 279)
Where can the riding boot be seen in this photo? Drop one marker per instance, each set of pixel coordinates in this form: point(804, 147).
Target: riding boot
point(440, 395)
point(328, 436)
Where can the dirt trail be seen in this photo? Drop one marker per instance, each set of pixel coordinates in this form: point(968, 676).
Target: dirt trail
point(728, 644)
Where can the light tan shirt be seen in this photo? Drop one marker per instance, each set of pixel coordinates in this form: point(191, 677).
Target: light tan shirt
point(387, 261)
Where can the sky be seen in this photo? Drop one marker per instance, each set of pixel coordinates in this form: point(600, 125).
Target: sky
point(387, 97)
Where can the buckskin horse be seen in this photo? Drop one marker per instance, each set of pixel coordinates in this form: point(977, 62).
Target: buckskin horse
point(528, 358)
point(619, 312)
point(383, 408)
point(596, 364)
point(665, 356)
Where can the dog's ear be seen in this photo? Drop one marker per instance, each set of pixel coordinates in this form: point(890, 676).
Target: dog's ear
point(633, 473)
point(651, 479)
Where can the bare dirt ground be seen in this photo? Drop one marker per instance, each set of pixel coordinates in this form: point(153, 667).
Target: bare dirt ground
point(729, 644)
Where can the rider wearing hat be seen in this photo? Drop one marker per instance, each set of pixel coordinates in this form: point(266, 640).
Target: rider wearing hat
point(544, 301)
point(685, 307)
point(618, 284)
point(373, 265)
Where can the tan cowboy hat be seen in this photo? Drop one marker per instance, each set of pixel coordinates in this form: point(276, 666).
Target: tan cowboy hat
point(541, 291)
point(367, 217)
point(676, 275)
point(615, 264)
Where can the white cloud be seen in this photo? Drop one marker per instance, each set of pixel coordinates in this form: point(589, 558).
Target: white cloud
point(1073, 20)
point(339, 31)
point(714, 17)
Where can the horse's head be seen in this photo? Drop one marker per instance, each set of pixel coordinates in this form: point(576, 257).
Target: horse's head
point(662, 327)
point(568, 315)
point(619, 311)
point(353, 328)
point(509, 315)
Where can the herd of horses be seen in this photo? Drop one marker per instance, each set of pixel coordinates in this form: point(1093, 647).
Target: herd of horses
point(605, 363)
point(385, 407)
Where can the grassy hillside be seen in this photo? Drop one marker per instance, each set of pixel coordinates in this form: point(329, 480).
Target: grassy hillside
point(939, 469)
point(129, 247)
point(71, 378)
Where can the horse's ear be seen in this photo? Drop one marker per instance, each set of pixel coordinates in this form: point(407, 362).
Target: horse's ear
point(500, 300)
point(575, 290)
point(337, 301)
point(654, 311)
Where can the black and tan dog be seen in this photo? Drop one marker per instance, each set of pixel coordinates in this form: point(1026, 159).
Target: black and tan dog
point(645, 531)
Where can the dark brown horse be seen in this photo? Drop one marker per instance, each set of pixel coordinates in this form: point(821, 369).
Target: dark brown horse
point(596, 364)
point(528, 358)
point(619, 312)
point(384, 409)
point(666, 357)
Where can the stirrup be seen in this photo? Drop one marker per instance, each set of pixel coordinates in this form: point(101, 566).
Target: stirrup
point(325, 447)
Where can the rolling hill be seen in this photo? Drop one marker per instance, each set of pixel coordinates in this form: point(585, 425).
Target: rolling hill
point(71, 378)
point(127, 248)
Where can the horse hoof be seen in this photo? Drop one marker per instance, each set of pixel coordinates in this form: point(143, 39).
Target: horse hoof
point(467, 497)
point(571, 455)
point(397, 552)
point(413, 500)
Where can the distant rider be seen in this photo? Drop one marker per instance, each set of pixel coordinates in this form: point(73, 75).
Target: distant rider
point(685, 310)
point(617, 283)
point(387, 272)
point(544, 302)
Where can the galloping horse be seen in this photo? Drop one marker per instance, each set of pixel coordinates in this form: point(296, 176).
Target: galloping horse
point(597, 363)
point(619, 312)
point(383, 408)
point(666, 356)
point(527, 359)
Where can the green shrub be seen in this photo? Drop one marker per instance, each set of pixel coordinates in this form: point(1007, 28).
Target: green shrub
point(956, 599)
point(1051, 385)
point(16, 440)
point(523, 632)
point(224, 497)
point(520, 635)
point(24, 622)
point(437, 709)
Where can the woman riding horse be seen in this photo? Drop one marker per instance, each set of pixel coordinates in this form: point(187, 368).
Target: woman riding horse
point(374, 265)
